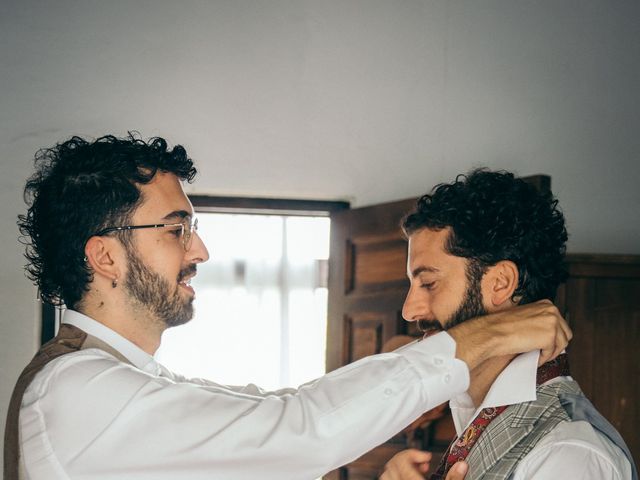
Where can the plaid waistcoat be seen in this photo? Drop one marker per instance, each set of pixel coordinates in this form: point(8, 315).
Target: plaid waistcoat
point(514, 433)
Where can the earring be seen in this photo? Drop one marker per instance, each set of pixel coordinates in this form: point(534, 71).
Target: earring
point(421, 328)
point(114, 283)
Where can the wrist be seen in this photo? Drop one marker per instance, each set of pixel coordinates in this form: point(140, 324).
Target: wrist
point(475, 341)
point(481, 338)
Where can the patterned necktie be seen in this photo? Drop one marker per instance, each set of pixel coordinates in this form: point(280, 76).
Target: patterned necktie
point(462, 445)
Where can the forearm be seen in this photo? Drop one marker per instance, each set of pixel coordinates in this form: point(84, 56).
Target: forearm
point(208, 431)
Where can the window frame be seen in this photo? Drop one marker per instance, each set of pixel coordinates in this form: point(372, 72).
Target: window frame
point(50, 314)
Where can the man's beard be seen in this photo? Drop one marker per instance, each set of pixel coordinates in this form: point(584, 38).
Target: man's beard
point(151, 291)
point(471, 305)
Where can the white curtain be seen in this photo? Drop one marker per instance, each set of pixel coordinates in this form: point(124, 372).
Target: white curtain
point(261, 303)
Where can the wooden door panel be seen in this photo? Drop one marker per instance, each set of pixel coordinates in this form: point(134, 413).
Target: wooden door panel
point(367, 280)
point(377, 264)
point(366, 333)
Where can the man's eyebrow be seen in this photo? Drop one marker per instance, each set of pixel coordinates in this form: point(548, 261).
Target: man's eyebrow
point(177, 215)
point(421, 269)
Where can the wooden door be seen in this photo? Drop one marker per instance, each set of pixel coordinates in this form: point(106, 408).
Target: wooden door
point(367, 280)
point(367, 286)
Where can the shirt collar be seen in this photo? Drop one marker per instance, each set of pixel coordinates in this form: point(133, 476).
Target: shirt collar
point(138, 357)
point(515, 384)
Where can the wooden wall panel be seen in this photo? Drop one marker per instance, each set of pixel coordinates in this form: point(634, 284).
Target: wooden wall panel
point(618, 372)
point(601, 301)
point(379, 265)
point(366, 332)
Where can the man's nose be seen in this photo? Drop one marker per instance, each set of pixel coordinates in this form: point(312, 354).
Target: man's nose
point(198, 252)
point(414, 308)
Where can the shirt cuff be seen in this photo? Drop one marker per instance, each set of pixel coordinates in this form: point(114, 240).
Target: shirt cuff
point(434, 358)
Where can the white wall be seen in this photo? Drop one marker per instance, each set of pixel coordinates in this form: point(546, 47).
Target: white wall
point(363, 100)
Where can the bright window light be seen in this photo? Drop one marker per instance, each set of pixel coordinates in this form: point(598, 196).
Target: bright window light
point(261, 303)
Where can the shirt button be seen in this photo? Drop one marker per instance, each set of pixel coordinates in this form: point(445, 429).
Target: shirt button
point(447, 378)
point(438, 360)
point(388, 391)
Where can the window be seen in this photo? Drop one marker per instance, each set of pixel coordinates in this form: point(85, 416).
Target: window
point(261, 299)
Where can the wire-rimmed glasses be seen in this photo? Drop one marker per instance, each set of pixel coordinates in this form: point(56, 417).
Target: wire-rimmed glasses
point(187, 228)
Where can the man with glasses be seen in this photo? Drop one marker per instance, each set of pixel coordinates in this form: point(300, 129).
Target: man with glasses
point(111, 235)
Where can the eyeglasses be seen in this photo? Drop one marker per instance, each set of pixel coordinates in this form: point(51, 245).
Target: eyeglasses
point(185, 233)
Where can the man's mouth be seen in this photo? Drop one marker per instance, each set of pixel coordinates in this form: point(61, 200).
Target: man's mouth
point(185, 277)
point(431, 326)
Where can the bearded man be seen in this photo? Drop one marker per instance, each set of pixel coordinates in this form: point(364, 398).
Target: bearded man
point(486, 243)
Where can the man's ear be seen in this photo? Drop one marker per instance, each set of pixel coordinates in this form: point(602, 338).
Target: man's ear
point(499, 282)
point(101, 254)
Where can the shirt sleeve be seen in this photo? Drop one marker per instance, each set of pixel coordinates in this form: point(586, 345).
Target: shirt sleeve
point(434, 356)
point(128, 424)
point(574, 450)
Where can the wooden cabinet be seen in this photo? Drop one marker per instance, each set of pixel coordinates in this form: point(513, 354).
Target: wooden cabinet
point(367, 285)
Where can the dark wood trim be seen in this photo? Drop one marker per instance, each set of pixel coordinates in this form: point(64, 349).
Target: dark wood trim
point(541, 182)
point(604, 258)
point(277, 206)
point(603, 265)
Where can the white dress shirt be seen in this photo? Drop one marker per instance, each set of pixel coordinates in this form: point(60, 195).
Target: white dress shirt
point(570, 450)
point(87, 415)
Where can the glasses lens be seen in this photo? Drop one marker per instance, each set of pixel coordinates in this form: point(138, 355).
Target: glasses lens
point(187, 235)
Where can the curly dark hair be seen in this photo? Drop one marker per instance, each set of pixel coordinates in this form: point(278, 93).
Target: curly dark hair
point(80, 187)
point(494, 216)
